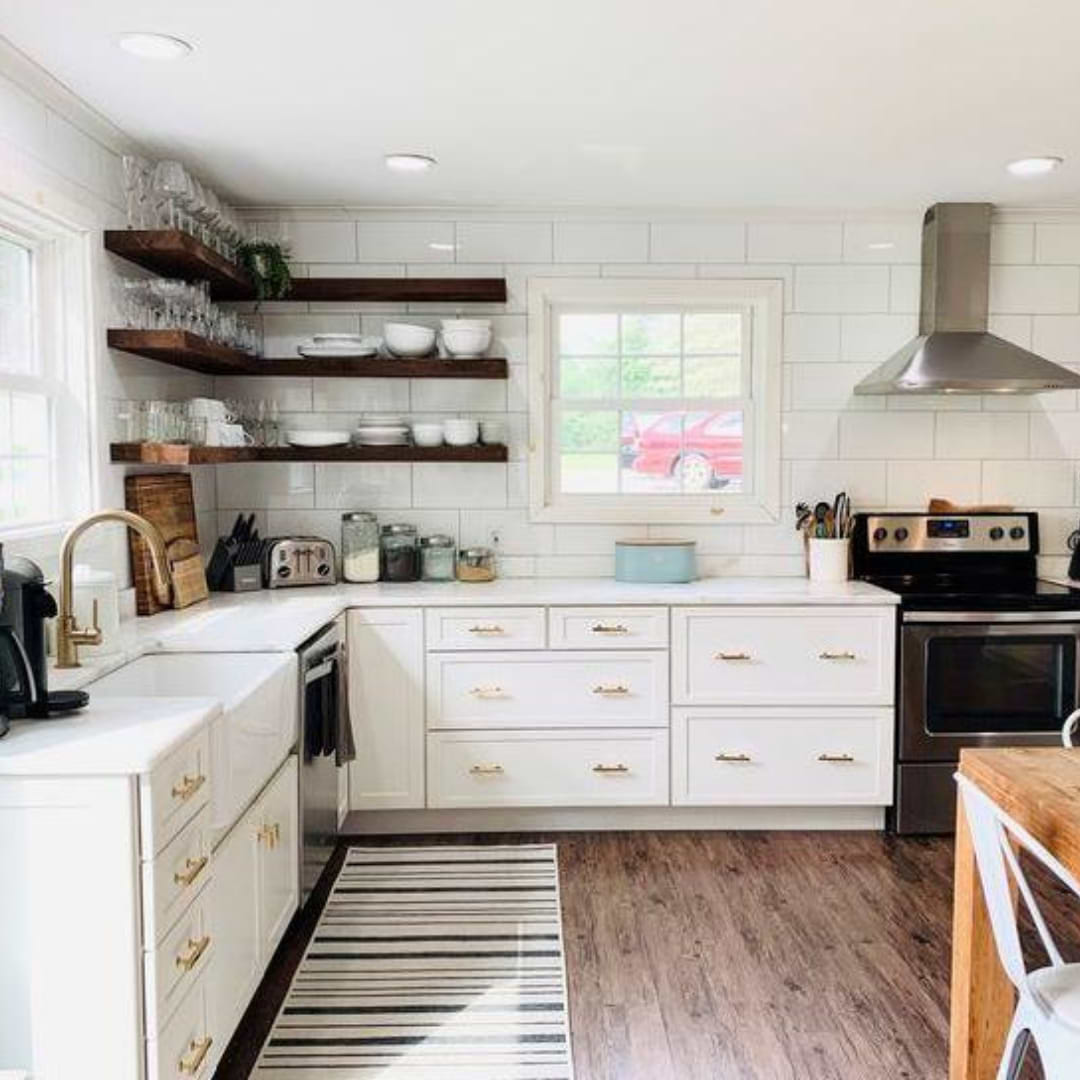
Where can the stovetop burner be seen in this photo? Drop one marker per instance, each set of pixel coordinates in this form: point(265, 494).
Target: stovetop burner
point(948, 593)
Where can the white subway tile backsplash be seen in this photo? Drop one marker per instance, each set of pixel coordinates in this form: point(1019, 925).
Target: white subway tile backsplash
point(699, 242)
point(753, 272)
point(612, 242)
point(1034, 290)
point(575, 566)
point(314, 241)
point(882, 242)
point(810, 435)
point(508, 532)
point(334, 395)
point(358, 486)
point(406, 241)
point(1011, 243)
point(594, 539)
point(841, 288)
point(517, 484)
point(911, 484)
point(1057, 243)
point(800, 242)
point(864, 481)
point(272, 486)
point(1014, 328)
point(904, 288)
point(811, 337)
point(887, 435)
point(1057, 337)
point(504, 241)
point(663, 272)
point(518, 277)
point(1028, 484)
point(982, 435)
point(831, 386)
point(875, 337)
point(458, 395)
point(459, 486)
point(291, 394)
point(710, 539)
point(1055, 435)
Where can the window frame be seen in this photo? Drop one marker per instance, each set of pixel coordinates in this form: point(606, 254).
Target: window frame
point(61, 334)
point(763, 301)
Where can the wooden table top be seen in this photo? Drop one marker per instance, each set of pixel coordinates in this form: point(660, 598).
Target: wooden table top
point(1038, 787)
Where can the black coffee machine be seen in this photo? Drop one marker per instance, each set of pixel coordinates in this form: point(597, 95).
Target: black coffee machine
point(25, 604)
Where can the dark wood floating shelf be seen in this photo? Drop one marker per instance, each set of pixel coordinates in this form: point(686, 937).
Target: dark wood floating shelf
point(172, 253)
point(181, 349)
point(182, 454)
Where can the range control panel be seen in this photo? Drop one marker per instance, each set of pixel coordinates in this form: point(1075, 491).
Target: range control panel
point(904, 533)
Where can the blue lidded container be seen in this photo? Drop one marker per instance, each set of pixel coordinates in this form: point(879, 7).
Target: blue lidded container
point(655, 562)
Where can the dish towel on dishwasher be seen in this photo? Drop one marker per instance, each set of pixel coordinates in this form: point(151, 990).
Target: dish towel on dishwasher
point(327, 724)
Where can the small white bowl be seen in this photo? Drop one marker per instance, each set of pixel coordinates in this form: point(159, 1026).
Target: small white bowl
point(466, 342)
point(466, 324)
point(492, 432)
point(317, 438)
point(405, 339)
point(461, 432)
point(427, 434)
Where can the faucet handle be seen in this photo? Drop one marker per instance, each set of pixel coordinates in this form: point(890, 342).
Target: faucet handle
point(94, 627)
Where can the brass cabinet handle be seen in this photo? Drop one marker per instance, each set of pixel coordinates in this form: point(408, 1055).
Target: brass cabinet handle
point(187, 787)
point(601, 628)
point(488, 692)
point(733, 757)
point(192, 869)
point(271, 834)
point(611, 691)
point(611, 769)
point(844, 654)
point(191, 1062)
point(486, 630)
point(187, 960)
point(836, 758)
point(485, 770)
point(733, 656)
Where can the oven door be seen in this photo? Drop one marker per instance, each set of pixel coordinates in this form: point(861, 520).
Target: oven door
point(985, 679)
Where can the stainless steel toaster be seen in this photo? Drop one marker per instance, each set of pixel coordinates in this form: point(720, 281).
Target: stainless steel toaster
point(299, 560)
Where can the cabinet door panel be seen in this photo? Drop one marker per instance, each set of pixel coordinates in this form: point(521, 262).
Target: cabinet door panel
point(279, 857)
point(386, 700)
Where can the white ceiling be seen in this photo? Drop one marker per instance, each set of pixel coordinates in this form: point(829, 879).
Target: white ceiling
point(592, 103)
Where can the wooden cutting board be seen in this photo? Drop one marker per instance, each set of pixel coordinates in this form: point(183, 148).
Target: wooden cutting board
point(167, 502)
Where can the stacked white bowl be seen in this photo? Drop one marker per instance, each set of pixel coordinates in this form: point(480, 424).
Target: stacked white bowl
point(381, 430)
point(408, 339)
point(463, 338)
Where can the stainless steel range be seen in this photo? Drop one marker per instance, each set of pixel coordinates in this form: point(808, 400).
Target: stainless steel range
point(987, 651)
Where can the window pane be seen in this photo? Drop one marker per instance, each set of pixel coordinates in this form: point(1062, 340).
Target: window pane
point(589, 335)
point(650, 376)
point(592, 431)
point(588, 378)
point(651, 443)
point(714, 332)
point(589, 474)
point(5, 423)
point(713, 376)
point(33, 489)
point(29, 424)
point(16, 343)
point(713, 452)
point(650, 334)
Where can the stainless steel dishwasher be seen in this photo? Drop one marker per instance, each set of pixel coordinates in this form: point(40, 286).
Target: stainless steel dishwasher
point(321, 701)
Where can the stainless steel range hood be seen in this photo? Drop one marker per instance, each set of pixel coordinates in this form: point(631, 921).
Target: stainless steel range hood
point(954, 352)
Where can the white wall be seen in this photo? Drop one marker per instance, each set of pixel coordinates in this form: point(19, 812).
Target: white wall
point(59, 157)
point(849, 303)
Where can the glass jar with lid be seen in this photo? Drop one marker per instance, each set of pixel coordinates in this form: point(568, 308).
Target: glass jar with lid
point(437, 558)
point(359, 546)
point(399, 553)
point(476, 564)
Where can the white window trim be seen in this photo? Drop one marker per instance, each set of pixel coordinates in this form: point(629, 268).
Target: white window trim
point(764, 298)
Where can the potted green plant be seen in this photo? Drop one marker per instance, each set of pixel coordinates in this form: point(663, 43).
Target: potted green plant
point(267, 265)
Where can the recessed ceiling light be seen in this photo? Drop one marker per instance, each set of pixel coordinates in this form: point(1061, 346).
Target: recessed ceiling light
point(155, 46)
point(438, 245)
point(1034, 166)
point(410, 162)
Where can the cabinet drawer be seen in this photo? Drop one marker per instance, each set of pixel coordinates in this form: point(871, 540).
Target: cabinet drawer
point(174, 792)
point(608, 627)
point(547, 690)
point(185, 1048)
point(781, 757)
point(548, 768)
point(775, 656)
point(174, 965)
point(485, 628)
point(176, 876)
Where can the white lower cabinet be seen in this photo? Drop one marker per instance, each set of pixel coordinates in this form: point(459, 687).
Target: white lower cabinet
point(548, 768)
point(782, 757)
point(386, 701)
point(254, 894)
point(188, 1046)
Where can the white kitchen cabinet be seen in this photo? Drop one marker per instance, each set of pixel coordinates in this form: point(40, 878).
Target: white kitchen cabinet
point(608, 627)
point(485, 628)
point(275, 816)
point(386, 700)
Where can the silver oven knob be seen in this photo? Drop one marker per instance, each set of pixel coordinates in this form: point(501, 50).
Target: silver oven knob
point(1016, 533)
point(997, 532)
point(880, 534)
point(901, 534)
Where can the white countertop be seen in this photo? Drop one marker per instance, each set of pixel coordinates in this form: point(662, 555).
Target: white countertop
point(118, 736)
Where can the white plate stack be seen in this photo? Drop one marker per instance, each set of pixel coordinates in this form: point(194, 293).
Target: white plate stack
point(338, 346)
point(381, 430)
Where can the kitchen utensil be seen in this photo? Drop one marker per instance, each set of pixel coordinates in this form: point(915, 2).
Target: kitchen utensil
point(188, 576)
point(406, 339)
point(828, 559)
point(317, 438)
point(656, 562)
point(298, 560)
point(842, 515)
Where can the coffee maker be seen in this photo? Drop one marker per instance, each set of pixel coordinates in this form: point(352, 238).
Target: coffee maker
point(25, 604)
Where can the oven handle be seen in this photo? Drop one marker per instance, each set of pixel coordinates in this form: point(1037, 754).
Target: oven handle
point(1032, 618)
point(320, 671)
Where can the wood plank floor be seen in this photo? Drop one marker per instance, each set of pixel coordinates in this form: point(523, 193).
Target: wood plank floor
point(733, 956)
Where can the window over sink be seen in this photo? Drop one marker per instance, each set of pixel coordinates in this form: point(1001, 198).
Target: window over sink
point(654, 400)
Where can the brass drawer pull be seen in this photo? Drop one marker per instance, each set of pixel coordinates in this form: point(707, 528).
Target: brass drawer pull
point(187, 960)
point(271, 834)
point(187, 787)
point(485, 770)
point(192, 869)
point(845, 654)
point(192, 1061)
point(601, 628)
point(836, 758)
point(488, 692)
point(733, 656)
point(486, 630)
point(733, 757)
point(611, 691)
point(610, 770)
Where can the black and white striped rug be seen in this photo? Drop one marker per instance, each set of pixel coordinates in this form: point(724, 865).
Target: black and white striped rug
point(431, 963)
